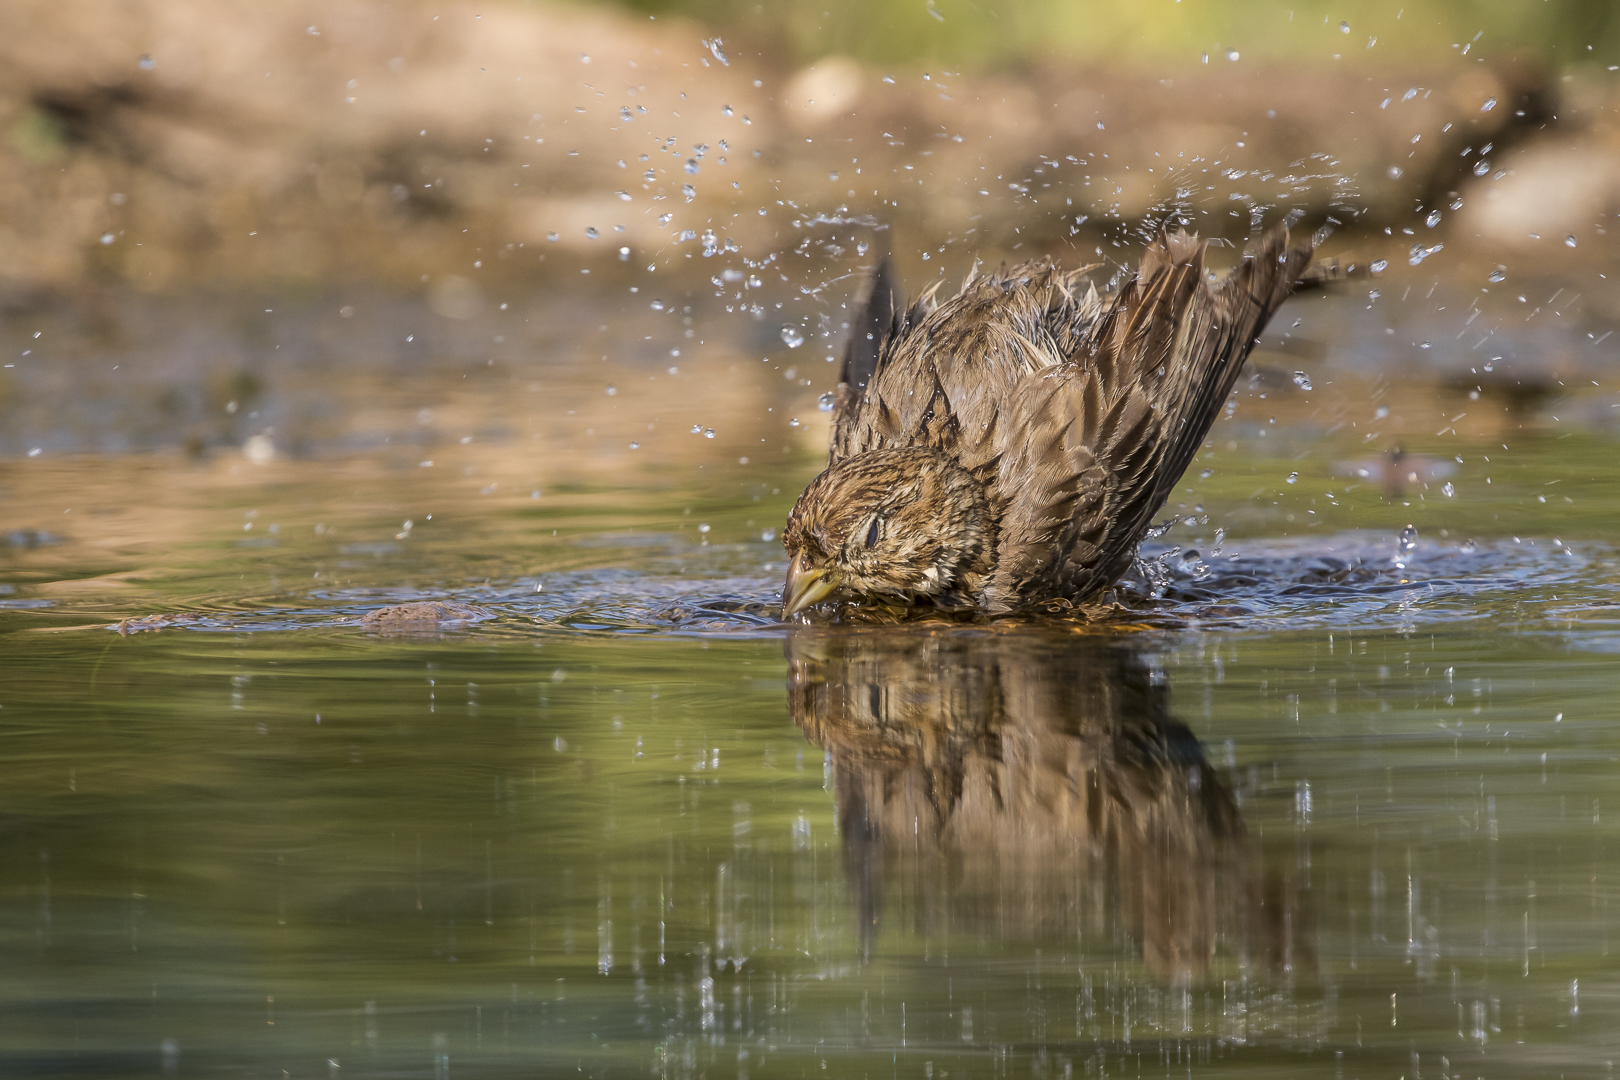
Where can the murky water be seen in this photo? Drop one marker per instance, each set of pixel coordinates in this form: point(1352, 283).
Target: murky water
point(1310, 800)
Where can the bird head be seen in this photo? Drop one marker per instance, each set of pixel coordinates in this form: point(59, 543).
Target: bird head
point(902, 525)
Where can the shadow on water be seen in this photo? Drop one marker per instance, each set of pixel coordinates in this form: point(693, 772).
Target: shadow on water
point(1035, 786)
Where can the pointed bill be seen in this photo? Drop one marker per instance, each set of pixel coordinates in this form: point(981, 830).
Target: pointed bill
point(806, 585)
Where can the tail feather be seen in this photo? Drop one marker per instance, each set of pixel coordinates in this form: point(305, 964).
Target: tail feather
point(1222, 330)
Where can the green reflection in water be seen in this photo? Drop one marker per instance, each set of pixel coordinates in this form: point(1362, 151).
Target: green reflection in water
point(623, 854)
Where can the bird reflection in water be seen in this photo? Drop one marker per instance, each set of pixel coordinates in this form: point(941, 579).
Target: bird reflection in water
point(1033, 786)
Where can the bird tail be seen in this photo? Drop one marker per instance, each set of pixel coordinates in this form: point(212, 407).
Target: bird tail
point(1219, 329)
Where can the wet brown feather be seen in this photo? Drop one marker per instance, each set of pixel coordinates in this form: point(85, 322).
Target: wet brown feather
point(1076, 412)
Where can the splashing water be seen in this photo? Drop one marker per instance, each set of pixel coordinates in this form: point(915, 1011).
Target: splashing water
point(1419, 252)
point(825, 401)
point(1302, 380)
point(792, 336)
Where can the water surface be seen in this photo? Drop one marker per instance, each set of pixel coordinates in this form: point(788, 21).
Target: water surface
point(1305, 799)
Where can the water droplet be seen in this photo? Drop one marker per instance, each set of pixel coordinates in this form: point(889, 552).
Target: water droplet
point(1293, 478)
point(146, 62)
point(553, 237)
point(692, 166)
point(624, 254)
point(611, 390)
point(658, 305)
point(1419, 252)
point(1344, 28)
point(689, 191)
point(1569, 241)
point(725, 110)
point(1206, 474)
point(703, 527)
point(1302, 380)
point(1495, 275)
point(1468, 547)
point(1433, 219)
point(1232, 55)
point(708, 433)
point(1447, 490)
point(793, 422)
point(1490, 103)
point(768, 535)
point(792, 336)
point(825, 402)
point(1379, 266)
point(107, 238)
point(624, 113)
point(635, 446)
point(697, 429)
point(1405, 545)
point(590, 231)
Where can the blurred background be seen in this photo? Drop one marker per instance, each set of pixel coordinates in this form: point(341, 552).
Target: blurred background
point(527, 244)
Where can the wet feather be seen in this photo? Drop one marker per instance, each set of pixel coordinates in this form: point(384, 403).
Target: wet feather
point(1042, 423)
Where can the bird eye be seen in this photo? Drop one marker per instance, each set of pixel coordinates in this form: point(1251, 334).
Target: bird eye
point(872, 532)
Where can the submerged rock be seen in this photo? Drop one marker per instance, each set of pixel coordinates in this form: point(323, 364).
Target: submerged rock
point(424, 615)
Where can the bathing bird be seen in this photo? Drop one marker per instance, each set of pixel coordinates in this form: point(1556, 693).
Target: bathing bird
point(1006, 449)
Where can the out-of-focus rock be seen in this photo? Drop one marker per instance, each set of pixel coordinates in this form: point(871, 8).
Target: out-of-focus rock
point(1551, 189)
point(823, 92)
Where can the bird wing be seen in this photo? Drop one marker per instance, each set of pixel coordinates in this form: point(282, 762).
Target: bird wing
point(1090, 451)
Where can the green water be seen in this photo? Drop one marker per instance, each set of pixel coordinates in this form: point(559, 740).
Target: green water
point(1293, 810)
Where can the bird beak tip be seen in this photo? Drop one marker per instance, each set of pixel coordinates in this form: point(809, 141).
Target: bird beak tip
point(806, 586)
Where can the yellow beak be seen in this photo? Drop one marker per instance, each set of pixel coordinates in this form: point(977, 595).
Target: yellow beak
point(806, 585)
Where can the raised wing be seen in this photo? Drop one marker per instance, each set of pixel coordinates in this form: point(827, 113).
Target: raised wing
point(1091, 450)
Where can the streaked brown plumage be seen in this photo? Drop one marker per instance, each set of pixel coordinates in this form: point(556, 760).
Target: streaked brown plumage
point(1008, 448)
